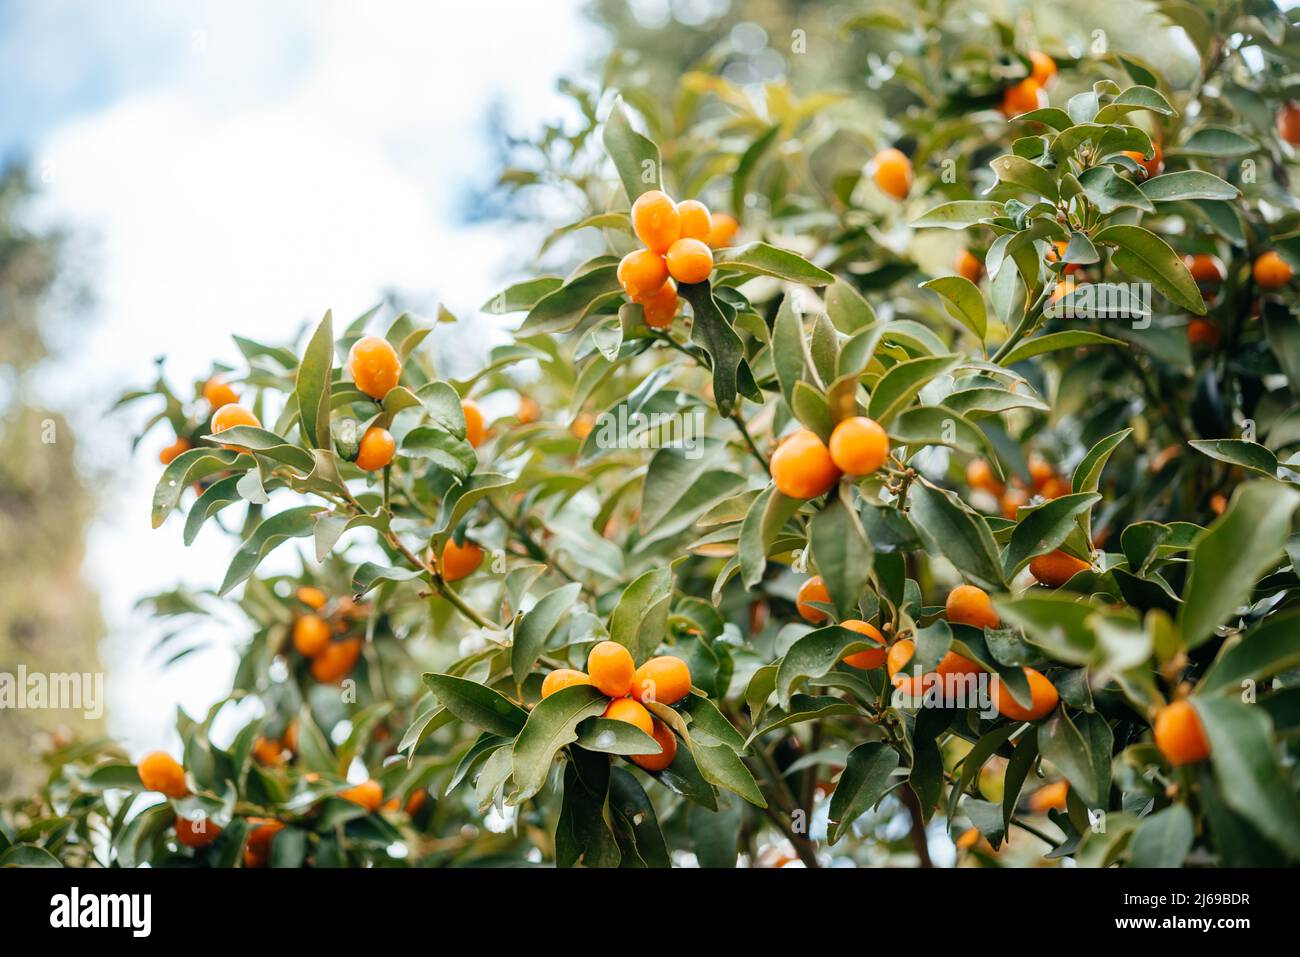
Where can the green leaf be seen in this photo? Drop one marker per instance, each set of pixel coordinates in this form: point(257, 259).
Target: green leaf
point(1081, 753)
point(1019, 172)
point(611, 736)
point(370, 575)
point(1163, 839)
point(748, 162)
point(867, 776)
point(1217, 141)
point(936, 425)
point(583, 834)
point(1249, 455)
point(1230, 555)
point(848, 310)
point(1144, 254)
point(1055, 621)
point(189, 467)
point(764, 520)
point(1267, 649)
point(640, 620)
point(722, 766)
point(293, 523)
point(1109, 191)
point(1044, 529)
point(815, 654)
point(960, 214)
point(536, 625)
point(713, 332)
point(442, 449)
point(1251, 781)
point(636, 827)
point(312, 388)
point(477, 705)
point(901, 384)
point(1134, 98)
point(760, 259)
point(28, 855)
point(952, 529)
point(1055, 341)
point(1188, 184)
point(636, 158)
point(460, 499)
point(521, 296)
point(551, 725)
point(562, 309)
point(962, 299)
point(842, 553)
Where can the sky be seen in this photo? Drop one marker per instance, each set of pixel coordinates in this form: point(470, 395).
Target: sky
point(240, 167)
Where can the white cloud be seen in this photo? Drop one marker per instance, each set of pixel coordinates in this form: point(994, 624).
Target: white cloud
point(292, 162)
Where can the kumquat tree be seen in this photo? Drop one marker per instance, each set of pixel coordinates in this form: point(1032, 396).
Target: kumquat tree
point(900, 472)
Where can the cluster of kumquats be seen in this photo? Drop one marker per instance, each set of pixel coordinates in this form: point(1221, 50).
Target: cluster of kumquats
point(321, 634)
point(162, 773)
point(665, 680)
point(1178, 731)
point(679, 239)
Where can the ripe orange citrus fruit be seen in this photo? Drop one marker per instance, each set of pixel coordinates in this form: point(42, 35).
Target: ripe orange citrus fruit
point(611, 669)
point(665, 679)
point(1180, 735)
point(459, 561)
point(858, 445)
point(377, 447)
point(980, 475)
point(872, 657)
point(160, 772)
point(656, 221)
point(660, 308)
point(562, 678)
point(475, 429)
point(813, 589)
point(197, 833)
point(1288, 123)
point(625, 709)
point(176, 448)
point(969, 266)
point(667, 741)
point(230, 416)
point(368, 794)
point(968, 605)
point(1202, 332)
point(1042, 694)
point(723, 230)
point(313, 598)
point(336, 661)
point(802, 466)
point(642, 273)
point(374, 366)
point(1049, 797)
point(311, 635)
point(218, 393)
point(1272, 272)
point(1044, 67)
point(1151, 167)
point(1205, 269)
point(696, 221)
point(1022, 97)
point(892, 172)
point(689, 261)
point(1056, 568)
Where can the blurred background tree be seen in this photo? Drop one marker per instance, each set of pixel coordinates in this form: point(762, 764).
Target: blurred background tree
point(49, 618)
